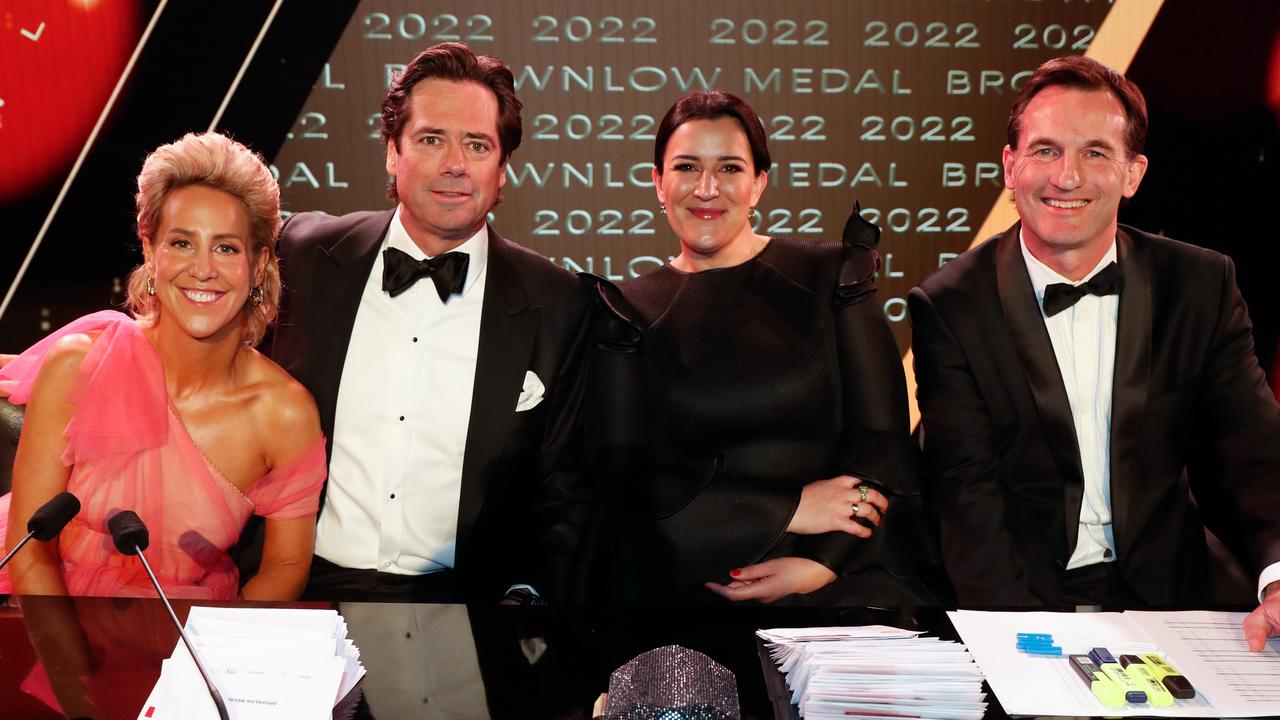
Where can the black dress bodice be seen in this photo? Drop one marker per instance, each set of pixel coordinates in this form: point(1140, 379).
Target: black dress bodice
point(742, 372)
point(715, 397)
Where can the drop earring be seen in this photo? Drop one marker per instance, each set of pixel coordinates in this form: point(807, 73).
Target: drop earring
point(257, 295)
point(151, 286)
point(662, 208)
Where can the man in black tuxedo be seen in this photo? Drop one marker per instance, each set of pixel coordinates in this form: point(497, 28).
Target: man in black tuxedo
point(451, 404)
point(1070, 369)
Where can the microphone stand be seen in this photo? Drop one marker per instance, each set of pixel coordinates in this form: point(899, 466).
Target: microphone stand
point(16, 548)
point(213, 690)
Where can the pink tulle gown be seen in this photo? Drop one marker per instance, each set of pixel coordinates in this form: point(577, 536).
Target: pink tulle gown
point(128, 450)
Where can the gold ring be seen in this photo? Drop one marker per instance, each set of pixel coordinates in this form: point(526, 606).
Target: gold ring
point(862, 493)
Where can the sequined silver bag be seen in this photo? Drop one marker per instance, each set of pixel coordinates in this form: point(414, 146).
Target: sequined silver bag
point(672, 683)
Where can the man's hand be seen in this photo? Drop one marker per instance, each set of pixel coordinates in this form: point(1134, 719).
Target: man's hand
point(774, 579)
point(1264, 621)
point(827, 506)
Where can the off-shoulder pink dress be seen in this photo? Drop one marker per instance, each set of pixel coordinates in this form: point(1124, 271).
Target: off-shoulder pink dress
point(128, 450)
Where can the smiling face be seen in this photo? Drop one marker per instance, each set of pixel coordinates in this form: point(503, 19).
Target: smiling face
point(709, 187)
point(200, 261)
point(1069, 172)
point(447, 162)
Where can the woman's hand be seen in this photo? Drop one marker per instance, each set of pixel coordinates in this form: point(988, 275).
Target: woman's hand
point(773, 579)
point(828, 506)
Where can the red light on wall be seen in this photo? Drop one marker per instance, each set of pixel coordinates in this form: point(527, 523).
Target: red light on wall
point(59, 62)
point(1273, 76)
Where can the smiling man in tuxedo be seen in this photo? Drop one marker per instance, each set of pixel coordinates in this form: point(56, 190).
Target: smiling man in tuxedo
point(1070, 368)
point(444, 360)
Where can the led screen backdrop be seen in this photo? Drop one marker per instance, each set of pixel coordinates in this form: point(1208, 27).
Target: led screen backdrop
point(898, 105)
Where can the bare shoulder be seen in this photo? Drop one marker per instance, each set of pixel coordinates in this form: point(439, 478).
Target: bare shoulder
point(283, 409)
point(63, 360)
point(49, 401)
point(73, 345)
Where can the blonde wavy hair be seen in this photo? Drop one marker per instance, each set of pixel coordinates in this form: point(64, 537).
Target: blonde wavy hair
point(218, 162)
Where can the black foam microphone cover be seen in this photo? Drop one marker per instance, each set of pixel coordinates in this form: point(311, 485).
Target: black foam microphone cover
point(48, 521)
point(128, 532)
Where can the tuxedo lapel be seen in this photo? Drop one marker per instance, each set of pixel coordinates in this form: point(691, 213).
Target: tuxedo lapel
point(508, 328)
point(338, 276)
point(1035, 350)
point(1131, 381)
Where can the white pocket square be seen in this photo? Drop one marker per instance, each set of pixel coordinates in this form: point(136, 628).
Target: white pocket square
point(531, 393)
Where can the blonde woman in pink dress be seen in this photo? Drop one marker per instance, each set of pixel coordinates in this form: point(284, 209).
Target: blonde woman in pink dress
point(171, 412)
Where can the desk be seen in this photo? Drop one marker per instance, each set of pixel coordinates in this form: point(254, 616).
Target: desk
point(120, 643)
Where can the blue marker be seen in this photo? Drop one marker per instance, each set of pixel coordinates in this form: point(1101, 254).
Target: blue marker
point(1102, 656)
point(1033, 642)
point(1052, 650)
point(1037, 644)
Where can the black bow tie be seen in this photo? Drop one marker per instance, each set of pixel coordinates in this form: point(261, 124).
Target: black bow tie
point(448, 271)
point(1060, 296)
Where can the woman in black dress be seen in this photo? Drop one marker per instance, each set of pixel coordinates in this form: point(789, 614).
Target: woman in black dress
point(747, 412)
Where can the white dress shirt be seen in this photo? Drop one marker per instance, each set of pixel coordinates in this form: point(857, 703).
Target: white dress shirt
point(400, 428)
point(1084, 341)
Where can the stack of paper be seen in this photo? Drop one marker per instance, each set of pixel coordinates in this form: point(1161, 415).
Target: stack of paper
point(875, 672)
point(266, 663)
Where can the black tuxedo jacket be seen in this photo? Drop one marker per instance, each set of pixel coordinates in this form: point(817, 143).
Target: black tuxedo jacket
point(1000, 443)
point(523, 495)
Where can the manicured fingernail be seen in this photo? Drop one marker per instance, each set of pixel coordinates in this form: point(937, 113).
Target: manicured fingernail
point(735, 573)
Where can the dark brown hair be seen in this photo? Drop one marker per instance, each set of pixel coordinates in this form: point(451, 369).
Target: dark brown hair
point(1074, 71)
point(712, 105)
point(455, 62)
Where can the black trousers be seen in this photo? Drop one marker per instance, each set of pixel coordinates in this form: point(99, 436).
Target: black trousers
point(337, 583)
point(1098, 584)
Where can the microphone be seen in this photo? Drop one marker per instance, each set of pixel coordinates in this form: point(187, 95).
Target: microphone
point(130, 536)
point(47, 521)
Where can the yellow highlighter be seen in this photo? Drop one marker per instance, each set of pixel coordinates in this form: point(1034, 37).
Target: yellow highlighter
point(1141, 673)
point(1107, 664)
point(1169, 676)
point(1107, 692)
